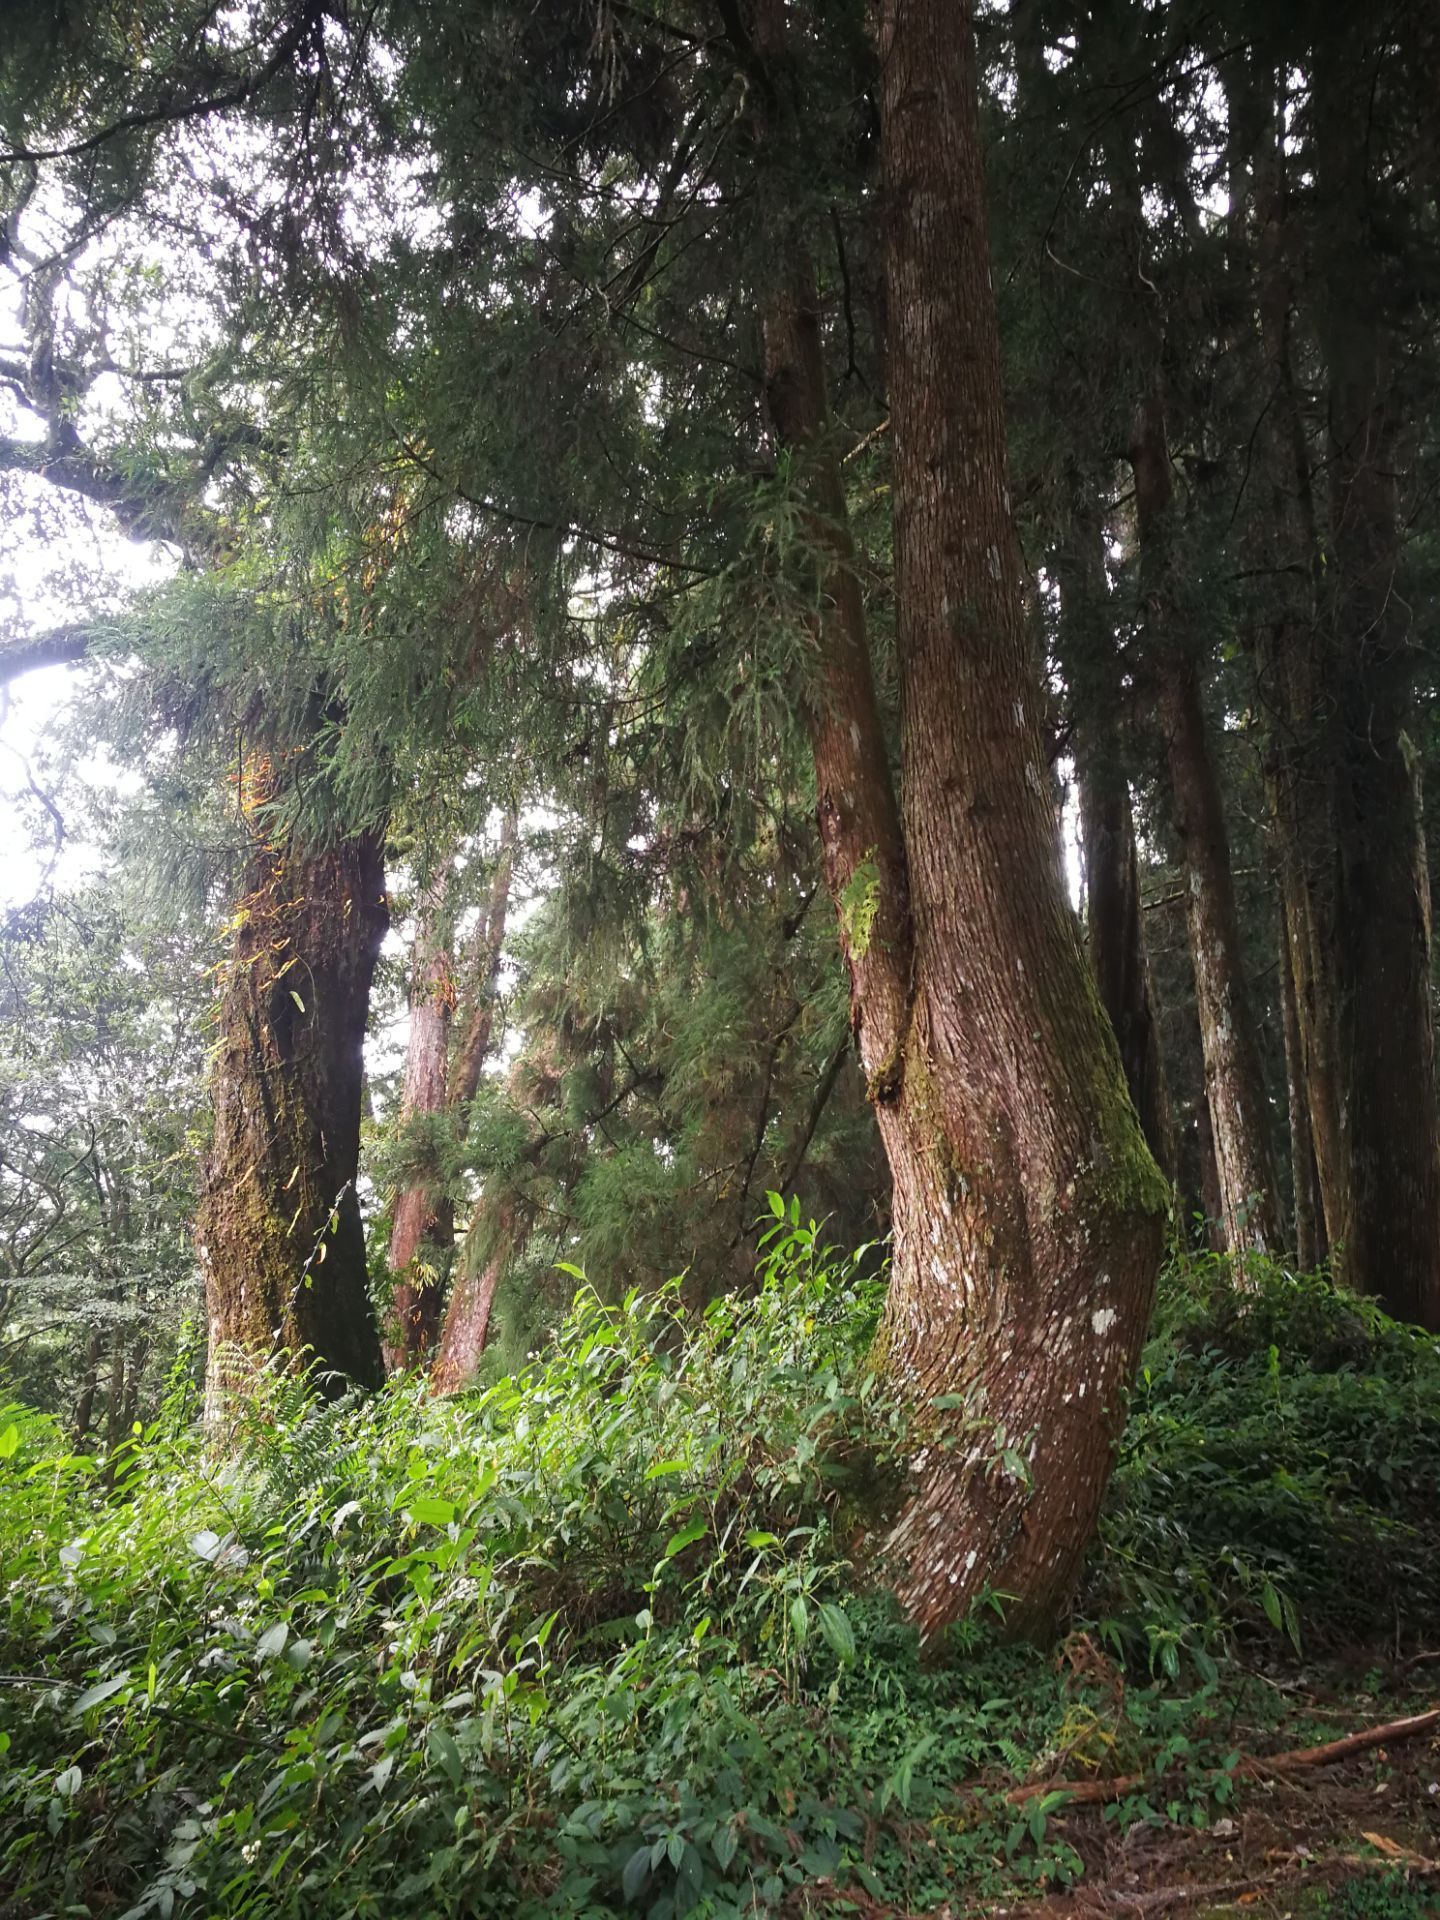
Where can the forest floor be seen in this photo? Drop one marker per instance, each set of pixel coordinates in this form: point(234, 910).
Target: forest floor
point(1355, 1839)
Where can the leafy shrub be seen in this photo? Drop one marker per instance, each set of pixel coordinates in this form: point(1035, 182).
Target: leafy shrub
point(595, 1640)
point(1280, 1468)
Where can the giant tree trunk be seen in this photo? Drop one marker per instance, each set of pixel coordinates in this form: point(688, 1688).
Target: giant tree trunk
point(1382, 957)
point(1027, 1210)
point(279, 1225)
point(1234, 1080)
point(423, 1221)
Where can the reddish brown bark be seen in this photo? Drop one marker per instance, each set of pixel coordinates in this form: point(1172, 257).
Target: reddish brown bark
point(279, 1223)
point(467, 1319)
point(423, 1219)
point(459, 1339)
point(1234, 1080)
point(1307, 1212)
point(1027, 1211)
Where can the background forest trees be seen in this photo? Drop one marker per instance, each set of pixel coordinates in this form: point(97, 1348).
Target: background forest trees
point(687, 529)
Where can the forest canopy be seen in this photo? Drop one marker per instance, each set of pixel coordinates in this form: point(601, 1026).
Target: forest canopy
point(716, 981)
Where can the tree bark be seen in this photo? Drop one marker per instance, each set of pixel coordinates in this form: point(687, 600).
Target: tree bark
point(459, 1339)
point(1382, 957)
point(1290, 674)
point(467, 1320)
point(1028, 1212)
point(279, 1226)
point(1234, 1080)
point(1307, 1211)
point(423, 1222)
point(1114, 933)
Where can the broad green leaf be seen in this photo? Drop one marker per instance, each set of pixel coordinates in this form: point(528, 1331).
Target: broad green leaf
point(92, 1696)
point(686, 1537)
point(836, 1628)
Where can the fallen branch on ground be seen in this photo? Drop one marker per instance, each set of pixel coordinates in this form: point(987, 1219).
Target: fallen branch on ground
point(1102, 1792)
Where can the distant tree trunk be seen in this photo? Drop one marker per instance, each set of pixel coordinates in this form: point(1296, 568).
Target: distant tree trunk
point(423, 1222)
point(1234, 1081)
point(1305, 1179)
point(467, 1321)
point(1107, 829)
point(1290, 674)
point(466, 1324)
point(84, 1412)
point(1382, 956)
point(1028, 1212)
point(279, 1224)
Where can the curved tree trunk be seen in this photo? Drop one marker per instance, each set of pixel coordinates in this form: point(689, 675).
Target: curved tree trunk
point(279, 1225)
point(1028, 1212)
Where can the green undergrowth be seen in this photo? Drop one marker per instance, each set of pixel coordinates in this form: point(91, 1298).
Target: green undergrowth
point(603, 1639)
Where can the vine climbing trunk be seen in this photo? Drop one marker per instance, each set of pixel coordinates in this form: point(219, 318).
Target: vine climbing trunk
point(1027, 1210)
point(279, 1229)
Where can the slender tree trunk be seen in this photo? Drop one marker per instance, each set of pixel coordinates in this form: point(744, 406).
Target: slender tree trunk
point(1382, 958)
point(423, 1224)
point(279, 1223)
point(1107, 830)
point(1234, 1081)
point(467, 1321)
point(1305, 1179)
point(89, 1386)
point(1290, 676)
point(466, 1324)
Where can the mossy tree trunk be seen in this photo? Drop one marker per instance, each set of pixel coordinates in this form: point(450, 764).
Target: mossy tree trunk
point(279, 1226)
point(1027, 1210)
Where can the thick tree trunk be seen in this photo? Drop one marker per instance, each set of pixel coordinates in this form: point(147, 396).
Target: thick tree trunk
point(1234, 1081)
point(1028, 1210)
point(279, 1224)
point(1382, 958)
point(1107, 831)
point(423, 1221)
